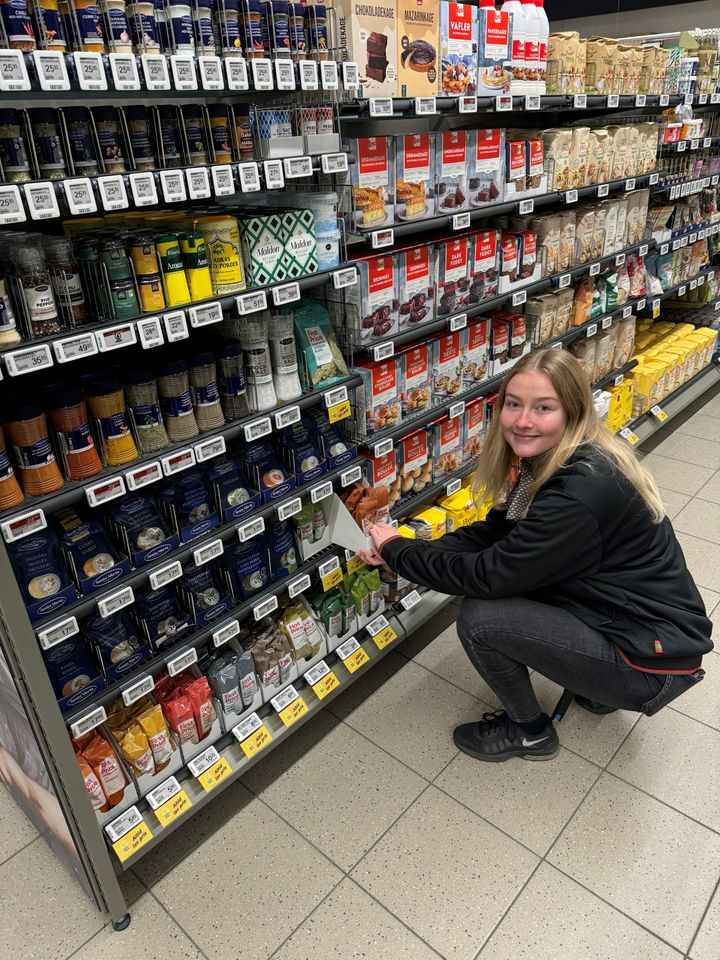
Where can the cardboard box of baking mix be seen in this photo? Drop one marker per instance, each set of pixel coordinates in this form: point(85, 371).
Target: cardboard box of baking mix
point(373, 177)
point(414, 161)
point(458, 48)
point(418, 30)
point(371, 304)
point(494, 52)
point(367, 35)
point(452, 159)
point(447, 449)
point(416, 286)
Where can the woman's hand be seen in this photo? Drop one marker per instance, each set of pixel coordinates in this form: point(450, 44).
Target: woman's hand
point(381, 533)
point(371, 557)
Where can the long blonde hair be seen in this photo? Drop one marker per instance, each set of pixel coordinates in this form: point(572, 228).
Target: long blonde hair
point(583, 427)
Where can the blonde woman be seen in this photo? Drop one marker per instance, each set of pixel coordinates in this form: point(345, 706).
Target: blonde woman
point(575, 573)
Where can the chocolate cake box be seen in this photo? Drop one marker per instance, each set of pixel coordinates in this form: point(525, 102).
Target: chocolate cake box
point(453, 155)
point(453, 266)
point(371, 305)
point(485, 184)
point(416, 286)
point(367, 35)
point(418, 43)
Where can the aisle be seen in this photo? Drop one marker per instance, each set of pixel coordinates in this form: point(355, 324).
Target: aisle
point(367, 834)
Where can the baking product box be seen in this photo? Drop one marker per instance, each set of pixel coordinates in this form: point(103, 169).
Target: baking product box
point(458, 49)
point(486, 179)
point(474, 429)
point(416, 385)
point(418, 33)
point(414, 160)
point(452, 161)
point(494, 51)
point(367, 35)
point(475, 347)
point(566, 63)
point(447, 450)
point(447, 365)
point(484, 266)
point(452, 271)
point(373, 178)
point(524, 165)
point(416, 286)
point(381, 471)
point(557, 152)
point(414, 463)
point(601, 55)
point(262, 243)
point(378, 397)
point(371, 304)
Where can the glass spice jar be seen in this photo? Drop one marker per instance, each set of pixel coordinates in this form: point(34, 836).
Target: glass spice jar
point(48, 144)
point(204, 392)
point(32, 271)
point(65, 274)
point(106, 401)
point(110, 136)
point(82, 142)
point(69, 418)
point(140, 146)
point(170, 136)
point(27, 432)
point(48, 25)
point(144, 409)
point(176, 402)
point(18, 26)
point(8, 326)
point(231, 382)
point(13, 152)
point(196, 132)
point(10, 492)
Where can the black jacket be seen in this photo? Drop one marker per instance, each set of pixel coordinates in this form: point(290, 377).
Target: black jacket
point(588, 545)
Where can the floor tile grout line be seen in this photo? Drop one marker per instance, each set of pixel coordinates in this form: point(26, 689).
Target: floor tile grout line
point(307, 917)
point(20, 850)
point(716, 889)
point(177, 924)
point(689, 716)
point(509, 908)
point(89, 940)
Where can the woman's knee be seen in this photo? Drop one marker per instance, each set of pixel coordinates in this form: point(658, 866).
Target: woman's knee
point(476, 619)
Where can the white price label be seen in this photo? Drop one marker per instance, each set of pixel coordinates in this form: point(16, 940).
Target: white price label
point(468, 104)
point(715, 98)
point(350, 476)
point(155, 71)
point(688, 99)
point(618, 380)
point(351, 76)
point(209, 449)
point(13, 72)
point(526, 206)
point(681, 146)
point(664, 99)
point(252, 528)
point(382, 238)
point(262, 74)
point(381, 107)
point(321, 492)
point(425, 106)
point(654, 179)
point(138, 690)
point(208, 552)
point(309, 75)
point(88, 722)
point(329, 75)
point(456, 409)
point(286, 418)
point(684, 242)
point(289, 509)
point(316, 673)
point(116, 337)
point(298, 586)
point(247, 727)
point(80, 196)
point(160, 795)
point(105, 490)
point(410, 600)
point(694, 144)
point(11, 205)
point(504, 102)
point(532, 103)
point(182, 662)
point(150, 332)
point(580, 101)
point(594, 269)
point(223, 181)
point(334, 163)
point(335, 396)
point(606, 323)
point(112, 602)
point(383, 447)
point(664, 247)
point(183, 71)
point(564, 280)
point(460, 221)
point(603, 189)
point(347, 277)
point(58, 632)
point(591, 330)
point(284, 698)
point(177, 462)
point(571, 196)
point(520, 296)
point(642, 250)
point(198, 183)
point(206, 314)
point(175, 326)
point(165, 575)
point(173, 186)
point(378, 624)
point(124, 71)
point(640, 305)
point(251, 302)
point(700, 281)
point(656, 304)
point(23, 525)
point(265, 608)
point(249, 177)
point(383, 351)
point(630, 184)
point(237, 74)
point(682, 290)
point(26, 361)
point(707, 141)
point(296, 167)
point(692, 238)
point(123, 824)
point(225, 633)
point(51, 70)
point(627, 311)
point(112, 193)
point(344, 650)
point(328, 567)
point(273, 173)
point(211, 73)
point(640, 100)
point(285, 74)
point(693, 284)
point(613, 100)
point(453, 486)
point(288, 293)
point(203, 761)
point(619, 259)
point(458, 322)
point(73, 348)
point(41, 201)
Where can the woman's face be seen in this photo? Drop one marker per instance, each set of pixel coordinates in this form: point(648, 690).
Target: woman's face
point(532, 419)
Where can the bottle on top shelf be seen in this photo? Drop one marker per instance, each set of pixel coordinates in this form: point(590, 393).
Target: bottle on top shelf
point(543, 36)
point(532, 47)
point(519, 37)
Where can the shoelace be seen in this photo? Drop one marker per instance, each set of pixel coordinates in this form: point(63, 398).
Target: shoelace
point(496, 720)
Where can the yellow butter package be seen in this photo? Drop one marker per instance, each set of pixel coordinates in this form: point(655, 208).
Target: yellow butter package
point(429, 523)
point(405, 531)
point(460, 509)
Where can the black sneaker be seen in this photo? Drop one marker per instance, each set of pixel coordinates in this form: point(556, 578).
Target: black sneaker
point(593, 706)
point(496, 738)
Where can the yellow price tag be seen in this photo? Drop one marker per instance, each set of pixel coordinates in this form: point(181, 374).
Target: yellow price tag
point(332, 579)
point(256, 741)
point(126, 846)
point(323, 687)
point(356, 660)
point(655, 312)
point(354, 564)
point(215, 775)
point(660, 414)
point(172, 808)
point(386, 636)
point(293, 712)
point(632, 438)
point(340, 411)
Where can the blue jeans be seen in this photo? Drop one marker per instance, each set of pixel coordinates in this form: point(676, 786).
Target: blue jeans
point(503, 638)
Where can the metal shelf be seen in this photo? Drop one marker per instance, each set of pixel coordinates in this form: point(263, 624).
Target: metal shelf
point(647, 424)
point(408, 504)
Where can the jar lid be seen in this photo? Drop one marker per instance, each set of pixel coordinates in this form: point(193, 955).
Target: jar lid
point(105, 113)
point(319, 9)
point(121, 285)
point(111, 243)
point(67, 397)
point(173, 367)
point(25, 411)
point(217, 110)
point(136, 112)
point(100, 388)
point(10, 116)
point(231, 348)
point(76, 113)
point(144, 375)
point(44, 115)
point(167, 238)
point(202, 359)
point(167, 111)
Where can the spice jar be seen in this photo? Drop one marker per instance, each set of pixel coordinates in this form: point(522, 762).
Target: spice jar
point(82, 142)
point(203, 27)
point(231, 382)
point(27, 433)
point(32, 271)
point(115, 20)
point(170, 136)
point(222, 238)
point(13, 153)
point(276, 34)
point(227, 24)
point(316, 32)
point(204, 392)
point(181, 27)
point(69, 418)
point(251, 19)
point(90, 26)
point(124, 300)
point(144, 409)
point(47, 24)
point(143, 26)
point(196, 133)
point(18, 26)
point(197, 269)
point(112, 254)
point(10, 492)
point(141, 149)
point(107, 122)
point(106, 401)
point(161, 18)
point(296, 30)
point(48, 144)
point(8, 325)
point(152, 297)
point(284, 357)
point(176, 402)
point(243, 131)
point(65, 273)
point(258, 366)
point(141, 249)
point(220, 129)
point(176, 286)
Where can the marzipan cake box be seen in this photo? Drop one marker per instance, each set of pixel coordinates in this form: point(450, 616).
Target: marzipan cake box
point(367, 35)
point(418, 42)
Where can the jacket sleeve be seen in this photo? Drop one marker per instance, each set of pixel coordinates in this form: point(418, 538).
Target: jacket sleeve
point(479, 535)
point(558, 540)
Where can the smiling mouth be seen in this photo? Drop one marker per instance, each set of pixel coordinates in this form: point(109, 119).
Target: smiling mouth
point(526, 436)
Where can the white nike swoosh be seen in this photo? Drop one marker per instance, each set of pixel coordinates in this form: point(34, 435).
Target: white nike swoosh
point(531, 743)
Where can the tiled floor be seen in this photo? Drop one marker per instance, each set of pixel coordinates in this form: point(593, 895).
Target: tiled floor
point(367, 835)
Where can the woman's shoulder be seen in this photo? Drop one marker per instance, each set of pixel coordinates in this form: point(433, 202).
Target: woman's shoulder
point(590, 476)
